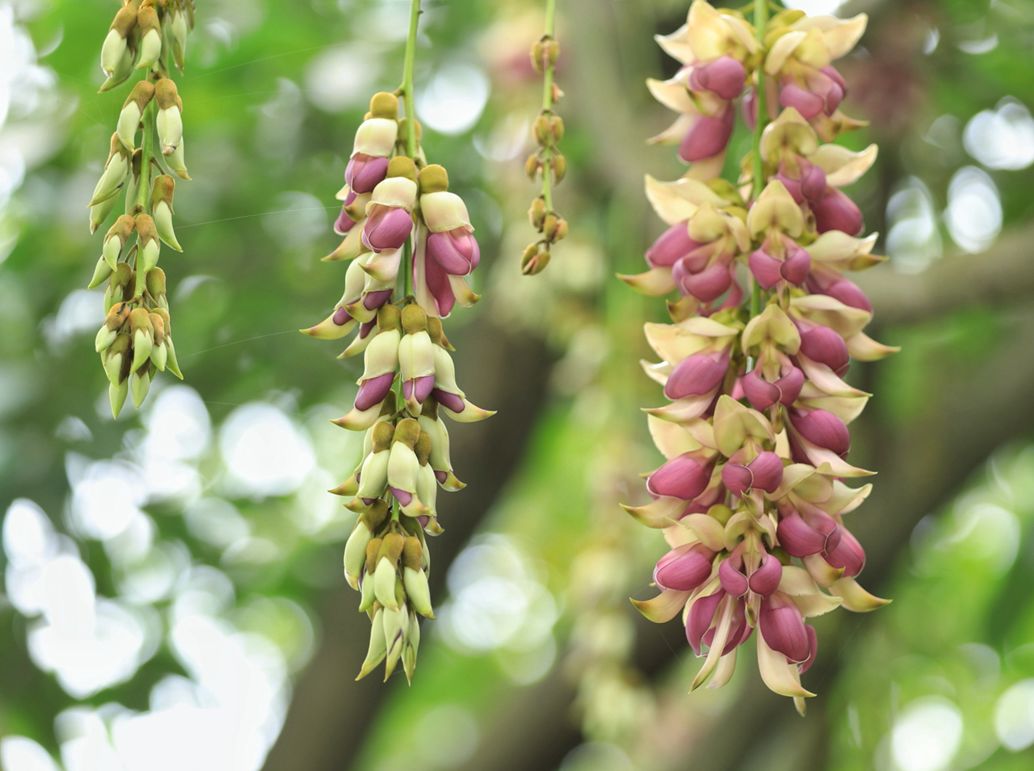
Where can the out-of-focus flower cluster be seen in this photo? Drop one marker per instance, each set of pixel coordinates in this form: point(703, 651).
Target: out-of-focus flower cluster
point(410, 247)
point(752, 497)
point(547, 162)
point(144, 157)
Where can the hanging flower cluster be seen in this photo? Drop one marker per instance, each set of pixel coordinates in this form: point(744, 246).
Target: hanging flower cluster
point(411, 246)
point(547, 161)
point(145, 153)
point(752, 496)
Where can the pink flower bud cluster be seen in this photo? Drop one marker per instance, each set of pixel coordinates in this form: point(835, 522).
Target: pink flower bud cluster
point(752, 497)
point(411, 246)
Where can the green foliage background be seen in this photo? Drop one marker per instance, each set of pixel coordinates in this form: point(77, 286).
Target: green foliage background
point(949, 429)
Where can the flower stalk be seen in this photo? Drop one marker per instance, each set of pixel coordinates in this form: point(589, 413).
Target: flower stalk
point(135, 341)
point(410, 247)
point(755, 487)
point(547, 161)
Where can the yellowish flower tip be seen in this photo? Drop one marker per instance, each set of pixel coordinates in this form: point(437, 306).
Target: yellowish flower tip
point(433, 179)
point(407, 432)
point(384, 105)
point(382, 435)
point(414, 319)
point(402, 166)
point(387, 317)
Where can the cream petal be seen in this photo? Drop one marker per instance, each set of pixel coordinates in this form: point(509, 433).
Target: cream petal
point(776, 208)
point(672, 343)
point(707, 530)
point(706, 31)
point(674, 133)
point(678, 201)
point(734, 424)
point(842, 166)
point(855, 598)
point(789, 129)
point(683, 411)
point(673, 94)
point(444, 211)
point(664, 607)
point(659, 513)
point(655, 282)
point(670, 438)
point(864, 348)
point(830, 312)
point(394, 191)
point(676, 45)
point(657, 372)
point(846, 499)
point(782, 49)
point(779, 675)
point(376, 136)
point(839, 35)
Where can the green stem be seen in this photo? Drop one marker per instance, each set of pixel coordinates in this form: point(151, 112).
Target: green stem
point(547, 105)
point(408, 100)
point(758, 174)
point(407, 79)
point(146, 152)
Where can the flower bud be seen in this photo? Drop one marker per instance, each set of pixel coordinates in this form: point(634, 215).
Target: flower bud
point(766, 471)
point(554, 228)
point(116, 169)
point(456, 251)
point(800, 539)
point(532, 165)
point(723, 76)
point(683, 568)
point(671, 246)
point(835, 211)
point(847, 553)
point(708, 136)
point(765, 579)
point(180, 22)
point(822, 428)
point(682, 477)
point(387, 229)
point(762, 394)
point(731, 577)
point(355, 553)
point(696, 375)
point(823, 345)
point(169, 121)
point(559, 165)
point(115, 44)
point(150, 45)
point(736, 478)
point(706, 285)
point(132, 111)
point(544, 53)
point(783, 628)
point(139, 385)
point(117, 397)
point(700, 617)
point(161, 209)
point(808, 104)
point(364, 172)
point(537, 212)
point(417, 591)
point(535, 259)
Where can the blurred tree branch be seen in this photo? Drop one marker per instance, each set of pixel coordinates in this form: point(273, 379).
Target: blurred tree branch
point(998, 277)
